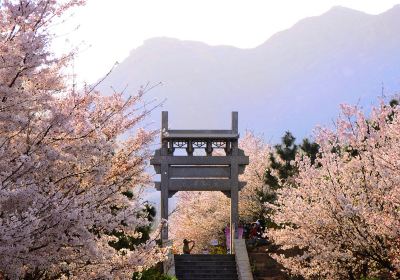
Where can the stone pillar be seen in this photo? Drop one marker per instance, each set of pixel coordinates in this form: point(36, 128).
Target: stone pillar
point(234, 184)
point(164, 199)
point(164, 177)
point(234, 217)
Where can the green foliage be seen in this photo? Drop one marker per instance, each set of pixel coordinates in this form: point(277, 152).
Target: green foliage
point(253, 267)
point(152, 274)
point(393, 103)
point(129, 242)
point(310, 149)
point(218, 250)
point(281, 171)
point(369, 278)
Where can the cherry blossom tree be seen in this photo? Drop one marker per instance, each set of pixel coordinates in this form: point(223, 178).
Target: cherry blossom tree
point(202, 216)
point(63, 162)
point(343, 213)
point(199, 216)
point(252, 206)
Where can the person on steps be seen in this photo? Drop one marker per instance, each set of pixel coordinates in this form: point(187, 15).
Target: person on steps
point(186, 249)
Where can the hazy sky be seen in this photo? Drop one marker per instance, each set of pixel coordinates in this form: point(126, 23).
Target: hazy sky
point(109, 30)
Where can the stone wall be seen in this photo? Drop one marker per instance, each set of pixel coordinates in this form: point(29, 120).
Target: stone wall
point(242, 260)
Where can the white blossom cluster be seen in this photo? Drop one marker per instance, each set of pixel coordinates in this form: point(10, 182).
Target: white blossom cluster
point(343, 212)
point(62, 170)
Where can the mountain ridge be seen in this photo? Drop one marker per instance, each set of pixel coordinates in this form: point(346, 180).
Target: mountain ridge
point(293, 81)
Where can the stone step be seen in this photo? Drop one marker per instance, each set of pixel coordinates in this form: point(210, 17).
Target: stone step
point(206, 269)
point(210, 267)
point(205, 257)
point(207, 278)
point(206, 263)
point(204, 277)
point(267, 268)
point(215, 270)
point(188, 276)
point(269, 273)
point(207, 273)
point(183, 276)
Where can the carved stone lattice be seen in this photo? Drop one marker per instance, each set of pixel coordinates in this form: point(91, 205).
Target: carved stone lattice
point(199, 144)
point(219, 144)
point(180, 144)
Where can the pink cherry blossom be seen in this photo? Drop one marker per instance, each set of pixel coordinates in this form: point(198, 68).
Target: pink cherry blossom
point(64, 162)
point(343, 211)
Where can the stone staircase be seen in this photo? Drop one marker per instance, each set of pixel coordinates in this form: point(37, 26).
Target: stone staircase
point(264, 266)
point(210, 267)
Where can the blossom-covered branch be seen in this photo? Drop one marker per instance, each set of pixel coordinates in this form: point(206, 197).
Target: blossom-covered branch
point(66, 157)
point(343, 212)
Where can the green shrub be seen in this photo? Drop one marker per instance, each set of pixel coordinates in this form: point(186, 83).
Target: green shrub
point(218, 250)
point(152, 274)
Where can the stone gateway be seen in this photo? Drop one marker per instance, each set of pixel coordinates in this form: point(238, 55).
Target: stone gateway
point(207, 172)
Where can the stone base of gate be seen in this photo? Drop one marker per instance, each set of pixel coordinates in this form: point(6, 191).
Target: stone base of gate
point(169, 263)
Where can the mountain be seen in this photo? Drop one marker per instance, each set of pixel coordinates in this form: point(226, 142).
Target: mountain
point(294, 81)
